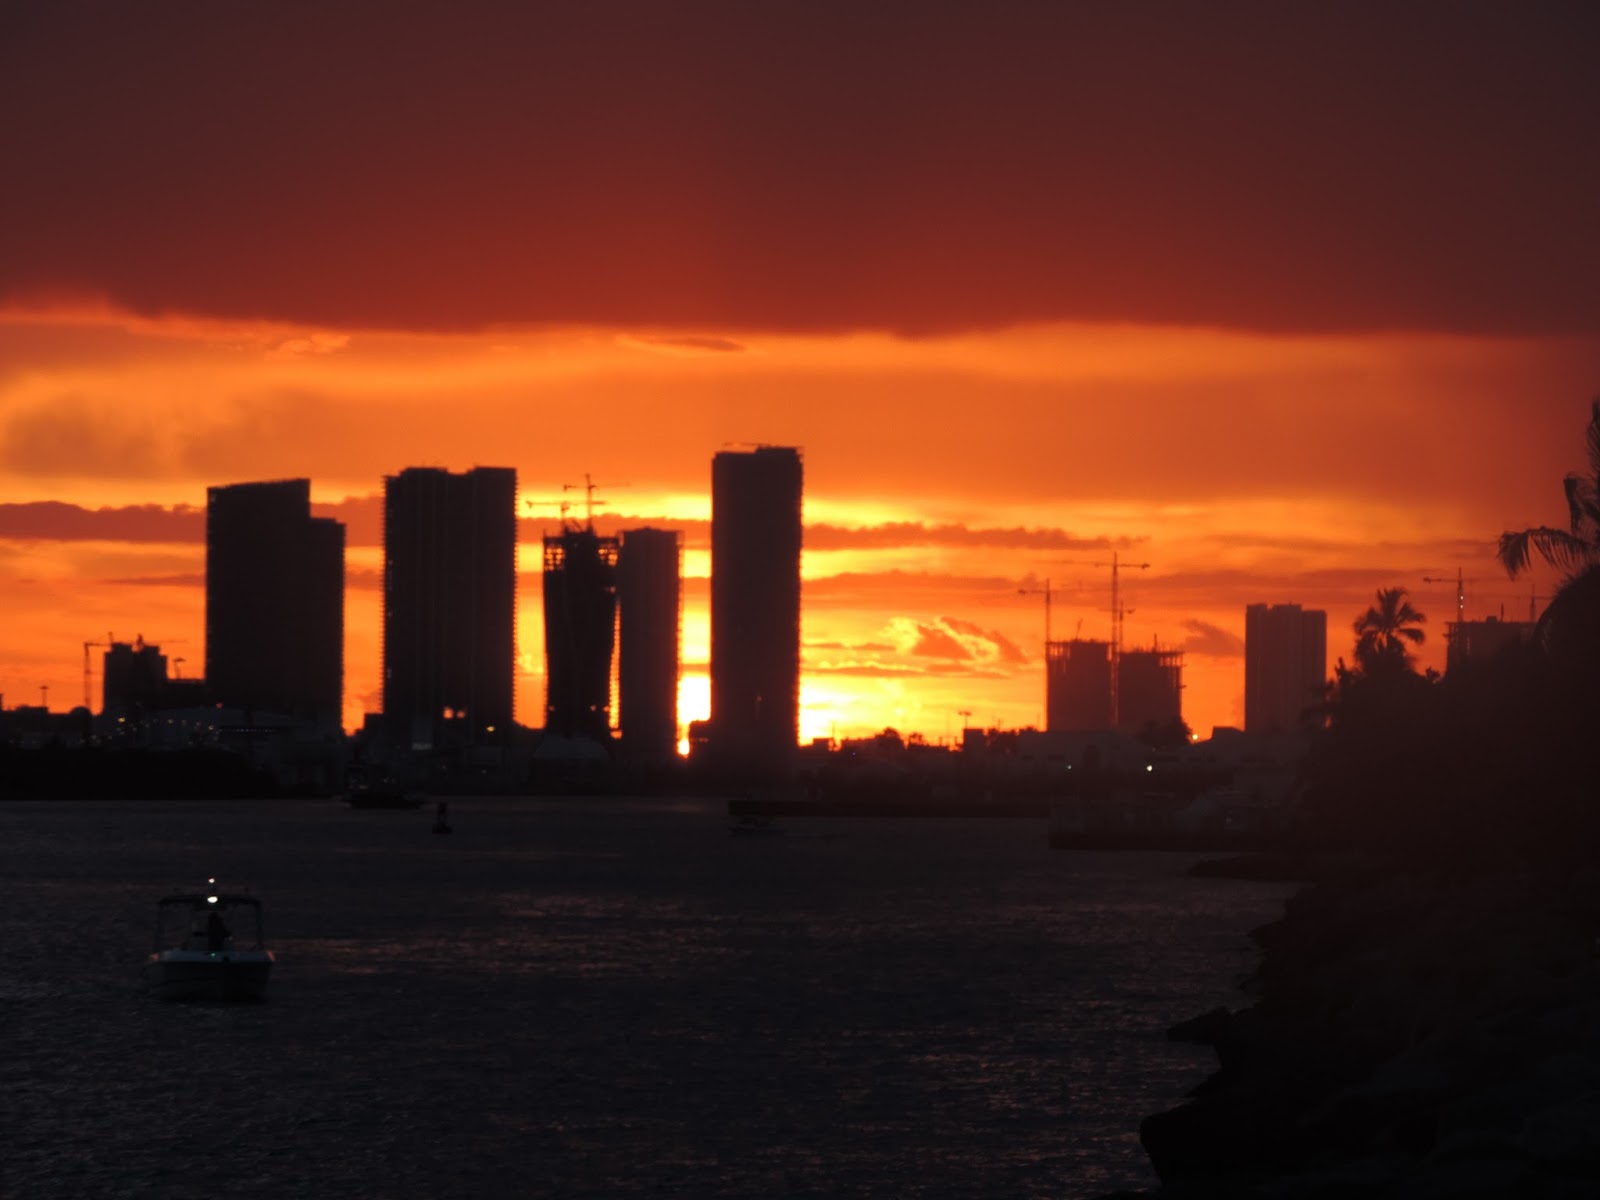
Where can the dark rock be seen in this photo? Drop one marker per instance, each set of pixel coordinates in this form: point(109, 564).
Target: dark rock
point(1203, 1030)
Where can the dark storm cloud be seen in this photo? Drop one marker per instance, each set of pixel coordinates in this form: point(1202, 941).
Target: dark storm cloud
point(54, 521)
point(1212, 640)
point(905, 165)
point(188, 579)
point(895, 534)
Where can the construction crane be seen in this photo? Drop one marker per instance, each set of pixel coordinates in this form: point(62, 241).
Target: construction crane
point(1117, 567)
point(588, 486)
point(87, 681)
point(1046, 593)
point(1461, 590)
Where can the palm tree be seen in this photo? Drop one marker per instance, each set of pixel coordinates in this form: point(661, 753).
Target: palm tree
point(1383, 631)
point(1569, 630)
point(1569, 549)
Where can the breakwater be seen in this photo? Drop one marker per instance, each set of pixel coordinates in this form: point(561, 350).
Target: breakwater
point(1411, 1036)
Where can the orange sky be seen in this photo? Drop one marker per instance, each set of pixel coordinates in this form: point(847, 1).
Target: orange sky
point(944, 477)
point(1290, 302)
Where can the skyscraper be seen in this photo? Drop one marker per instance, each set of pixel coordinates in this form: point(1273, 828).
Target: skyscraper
point(580, 625)
point(274, 601)
point(649, 589)
point(755, 606)
point(449, 605)
point(1285, 666)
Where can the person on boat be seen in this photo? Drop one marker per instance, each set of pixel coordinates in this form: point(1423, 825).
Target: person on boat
point(217, 932)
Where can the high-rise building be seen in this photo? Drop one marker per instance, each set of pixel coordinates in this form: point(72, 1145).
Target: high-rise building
point(274, 601)
point(649, 588)
point(1077, 685)
point(1285, 666)
point(1149, 689)
point(449, 606)
point(580, 629)
point(755, 606)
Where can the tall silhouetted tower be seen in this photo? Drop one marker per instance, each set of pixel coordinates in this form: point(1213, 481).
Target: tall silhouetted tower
point(1285, 666)
point(755, 606)
point(580, 628)
point(649, 570)
point(449, 605)
point(274, 601)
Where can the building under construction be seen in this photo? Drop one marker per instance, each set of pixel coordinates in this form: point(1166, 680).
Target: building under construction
point(649, 596)
point(1481, 641)
point(1149, 689)
point(1078, 685)
point(580, 631)
point(1090, 687)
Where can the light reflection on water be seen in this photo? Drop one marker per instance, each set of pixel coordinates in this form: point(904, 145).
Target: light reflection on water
point(582, 998)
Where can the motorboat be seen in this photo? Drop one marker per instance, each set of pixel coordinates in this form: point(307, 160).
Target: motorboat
point(208, 963)
point(759, 825)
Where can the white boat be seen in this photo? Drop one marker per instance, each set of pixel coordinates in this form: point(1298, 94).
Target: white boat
point(208, 964)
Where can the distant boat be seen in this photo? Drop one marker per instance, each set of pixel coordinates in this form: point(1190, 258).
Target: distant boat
point(208, 963)
point(380, 789)
point(762, 826)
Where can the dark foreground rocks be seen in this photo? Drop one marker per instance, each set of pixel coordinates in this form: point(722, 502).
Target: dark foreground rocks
point(1410, 1038)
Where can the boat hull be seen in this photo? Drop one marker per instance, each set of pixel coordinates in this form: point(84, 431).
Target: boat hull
point(196, 975)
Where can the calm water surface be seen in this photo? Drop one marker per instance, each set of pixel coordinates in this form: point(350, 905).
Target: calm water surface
point(600, 999)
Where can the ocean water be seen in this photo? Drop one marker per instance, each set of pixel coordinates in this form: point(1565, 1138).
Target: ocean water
point(581, 998)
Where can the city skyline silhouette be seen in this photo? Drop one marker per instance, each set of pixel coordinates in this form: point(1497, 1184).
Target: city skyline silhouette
point(1029, 288)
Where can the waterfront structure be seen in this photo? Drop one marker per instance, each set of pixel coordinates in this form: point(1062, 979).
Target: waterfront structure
point(755, 607)
point(1149, 689)
point(274, 601)
point(1285, 667)
point(1078, 685)
point(449, 606)
point(580, 622)
point(649, 588)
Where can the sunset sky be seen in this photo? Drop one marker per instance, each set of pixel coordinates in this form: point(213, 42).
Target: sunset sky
point(1289, 302)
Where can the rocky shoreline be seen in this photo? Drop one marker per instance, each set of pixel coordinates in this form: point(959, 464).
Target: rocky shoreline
point(1411, 1036)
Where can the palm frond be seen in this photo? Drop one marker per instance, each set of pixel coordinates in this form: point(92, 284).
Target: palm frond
point(1411, 634)
point(1557, 547)
point(1592, 440)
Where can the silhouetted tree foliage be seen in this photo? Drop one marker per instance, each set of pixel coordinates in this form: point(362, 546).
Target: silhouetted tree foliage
point(1578, 546)
point(1501, 757)
point(1386, 632)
